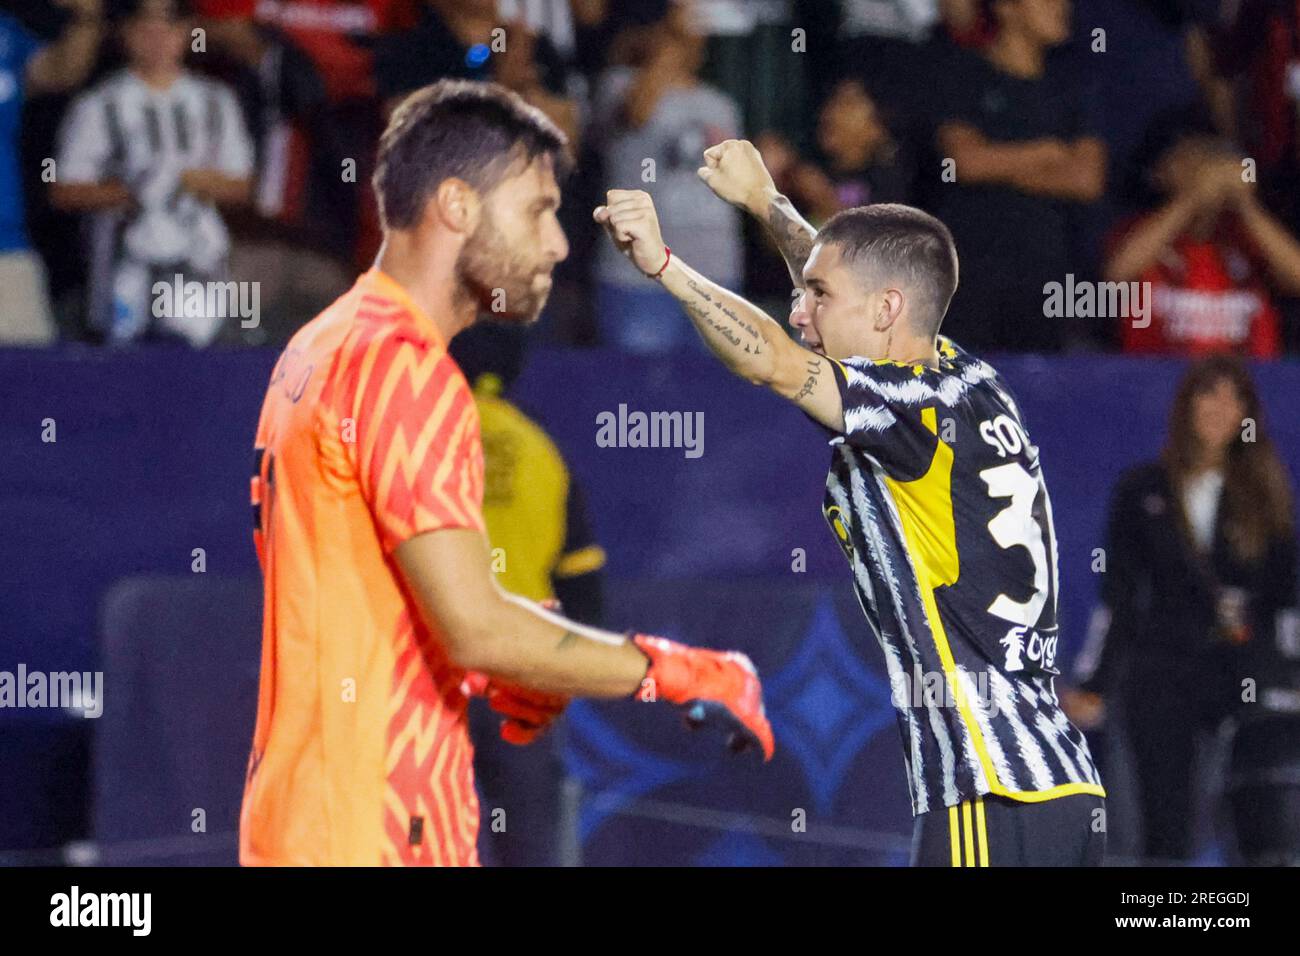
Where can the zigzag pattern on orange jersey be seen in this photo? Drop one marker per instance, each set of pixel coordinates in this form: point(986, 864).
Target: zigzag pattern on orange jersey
point(429, 759)
point(380, 445)
point(417, 436)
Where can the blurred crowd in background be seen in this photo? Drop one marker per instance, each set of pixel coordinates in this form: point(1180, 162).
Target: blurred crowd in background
point(1151, 142)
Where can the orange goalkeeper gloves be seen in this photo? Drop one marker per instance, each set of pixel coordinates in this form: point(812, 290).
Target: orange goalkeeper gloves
point(715, 687)
point(526, 713)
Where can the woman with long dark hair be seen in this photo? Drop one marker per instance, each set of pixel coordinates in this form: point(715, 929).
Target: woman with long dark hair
point(1201, 556)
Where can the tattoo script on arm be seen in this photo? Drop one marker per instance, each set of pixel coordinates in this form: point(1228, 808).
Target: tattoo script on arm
point(720, 317)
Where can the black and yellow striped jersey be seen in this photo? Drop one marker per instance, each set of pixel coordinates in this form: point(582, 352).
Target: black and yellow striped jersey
point(938, 500)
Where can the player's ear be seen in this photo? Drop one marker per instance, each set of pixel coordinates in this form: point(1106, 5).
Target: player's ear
point(456, 204)
point(891, 307)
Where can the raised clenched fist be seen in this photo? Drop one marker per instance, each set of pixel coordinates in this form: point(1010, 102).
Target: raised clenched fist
point(734, 170)
point(630, 219)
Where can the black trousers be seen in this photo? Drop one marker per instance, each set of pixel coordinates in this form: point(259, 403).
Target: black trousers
point(1164, 719)
point(996, 831)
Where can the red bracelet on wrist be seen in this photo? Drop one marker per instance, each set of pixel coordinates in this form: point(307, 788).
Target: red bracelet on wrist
point(668, 257)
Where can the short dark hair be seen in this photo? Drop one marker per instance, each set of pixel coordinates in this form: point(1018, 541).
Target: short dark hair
point(893, 240)
point(458, 128)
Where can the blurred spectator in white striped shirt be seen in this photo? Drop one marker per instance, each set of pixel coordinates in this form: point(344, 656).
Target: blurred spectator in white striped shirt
point(151, 152)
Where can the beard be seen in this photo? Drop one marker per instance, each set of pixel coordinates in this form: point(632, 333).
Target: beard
point(499, 278)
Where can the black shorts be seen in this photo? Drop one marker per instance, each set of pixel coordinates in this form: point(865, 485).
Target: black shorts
point(996, 831)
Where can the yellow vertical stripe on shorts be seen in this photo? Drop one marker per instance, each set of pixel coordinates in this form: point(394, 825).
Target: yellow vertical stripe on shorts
point(953, 837)
point(983, 832)
point(966, 832)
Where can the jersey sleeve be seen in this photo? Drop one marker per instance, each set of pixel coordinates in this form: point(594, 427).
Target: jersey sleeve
point(85, 143)
point(233, 153)
point(892, 412)
point(417, 446)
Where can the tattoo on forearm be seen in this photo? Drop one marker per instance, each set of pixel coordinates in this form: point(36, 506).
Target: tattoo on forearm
point(712, 312)
point(814, 370)
point(701, 313)
point(567, 640)
point(792, 235)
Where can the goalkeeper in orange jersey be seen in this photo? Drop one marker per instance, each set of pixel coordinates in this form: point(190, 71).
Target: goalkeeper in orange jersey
point(381, 611)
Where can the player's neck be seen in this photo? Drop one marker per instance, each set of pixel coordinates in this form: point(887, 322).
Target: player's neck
point(432, 287)
point(912, 351)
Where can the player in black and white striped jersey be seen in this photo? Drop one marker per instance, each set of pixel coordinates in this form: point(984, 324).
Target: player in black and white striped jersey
point(937, 497)
point(152, 151)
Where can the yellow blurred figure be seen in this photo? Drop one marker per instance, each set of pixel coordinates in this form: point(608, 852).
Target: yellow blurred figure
point(542, 547)
point(535, 519)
